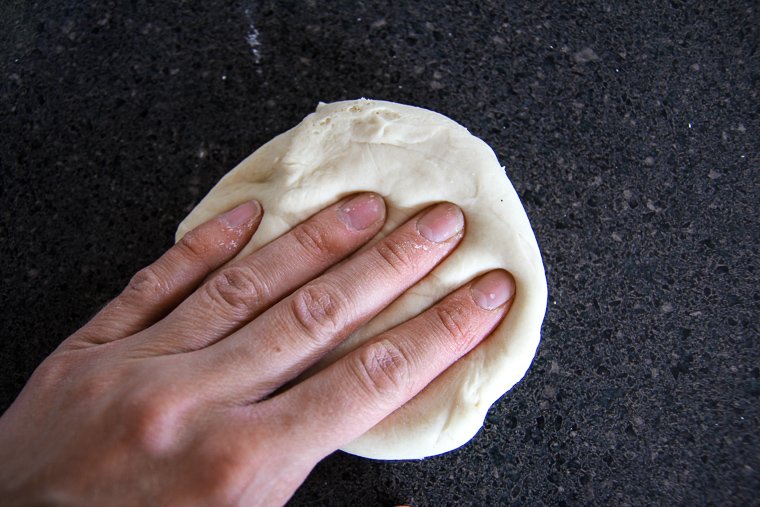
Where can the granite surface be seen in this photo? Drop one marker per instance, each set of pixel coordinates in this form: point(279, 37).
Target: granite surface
point(629, 129)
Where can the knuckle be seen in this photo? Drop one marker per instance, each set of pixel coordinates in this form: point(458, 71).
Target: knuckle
point(238, 288)
point(54, 369)
point(395, 253)
point(147, 284)
point(320, 310)
point(151, 420)
point(193, 245)
point(79, 376)
point(96, 386)
point(457, 327)
point(383, 368)
point(314, 239)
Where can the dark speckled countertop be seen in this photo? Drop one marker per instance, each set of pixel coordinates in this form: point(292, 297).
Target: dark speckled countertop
point(629, 129)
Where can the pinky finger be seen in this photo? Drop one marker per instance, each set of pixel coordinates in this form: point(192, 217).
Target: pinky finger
point(158, 288)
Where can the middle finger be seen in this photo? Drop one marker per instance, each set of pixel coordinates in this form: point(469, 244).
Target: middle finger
point(297, 331)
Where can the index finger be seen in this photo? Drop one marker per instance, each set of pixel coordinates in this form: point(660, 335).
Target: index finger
point(340, 403)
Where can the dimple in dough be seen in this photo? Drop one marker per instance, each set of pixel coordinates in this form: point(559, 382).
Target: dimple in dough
point(413, 157)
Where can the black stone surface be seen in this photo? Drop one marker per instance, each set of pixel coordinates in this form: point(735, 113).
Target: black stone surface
point(629, 129)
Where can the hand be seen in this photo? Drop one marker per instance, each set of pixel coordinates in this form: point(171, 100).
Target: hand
point(166, 396)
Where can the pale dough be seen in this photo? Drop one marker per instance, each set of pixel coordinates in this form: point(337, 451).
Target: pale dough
point(412, 157)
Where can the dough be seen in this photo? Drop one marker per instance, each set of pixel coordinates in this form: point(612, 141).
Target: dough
point(412, 157)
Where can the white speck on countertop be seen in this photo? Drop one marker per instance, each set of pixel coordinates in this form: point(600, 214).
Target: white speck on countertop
point(585, 55)
point(252, 37)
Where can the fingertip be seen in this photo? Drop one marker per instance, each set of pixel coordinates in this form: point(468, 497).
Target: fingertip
point(441, 222)
point(242, 215)
point(362, 211)
point(493, 290)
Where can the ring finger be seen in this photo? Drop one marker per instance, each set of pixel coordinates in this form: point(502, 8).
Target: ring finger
point(243, 290)
point(295, 333)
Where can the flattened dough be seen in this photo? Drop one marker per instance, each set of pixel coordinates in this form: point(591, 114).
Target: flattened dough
point(413, 157)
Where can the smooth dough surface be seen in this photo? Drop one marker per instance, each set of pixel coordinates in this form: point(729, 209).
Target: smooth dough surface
point(413, 157)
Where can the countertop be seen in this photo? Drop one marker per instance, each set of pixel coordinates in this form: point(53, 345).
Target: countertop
point(629, 130)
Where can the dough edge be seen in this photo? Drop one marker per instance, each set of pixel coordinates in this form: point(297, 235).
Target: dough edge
point(449, 411)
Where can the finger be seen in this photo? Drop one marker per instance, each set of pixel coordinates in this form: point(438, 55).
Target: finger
point(342, 402)
point(159, 287)
point(301, 328)
point(243, 290)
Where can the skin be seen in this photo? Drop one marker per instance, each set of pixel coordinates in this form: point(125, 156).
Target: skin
point(172, 394)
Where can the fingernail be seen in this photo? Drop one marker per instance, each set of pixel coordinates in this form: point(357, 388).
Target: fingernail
point(493, 289)
point(362, 211)
point(442, 222)
point(241, 214)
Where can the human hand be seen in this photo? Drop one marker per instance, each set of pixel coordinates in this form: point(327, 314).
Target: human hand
point(169, 395)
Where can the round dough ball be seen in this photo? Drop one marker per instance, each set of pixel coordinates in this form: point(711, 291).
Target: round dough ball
point(413, 158)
